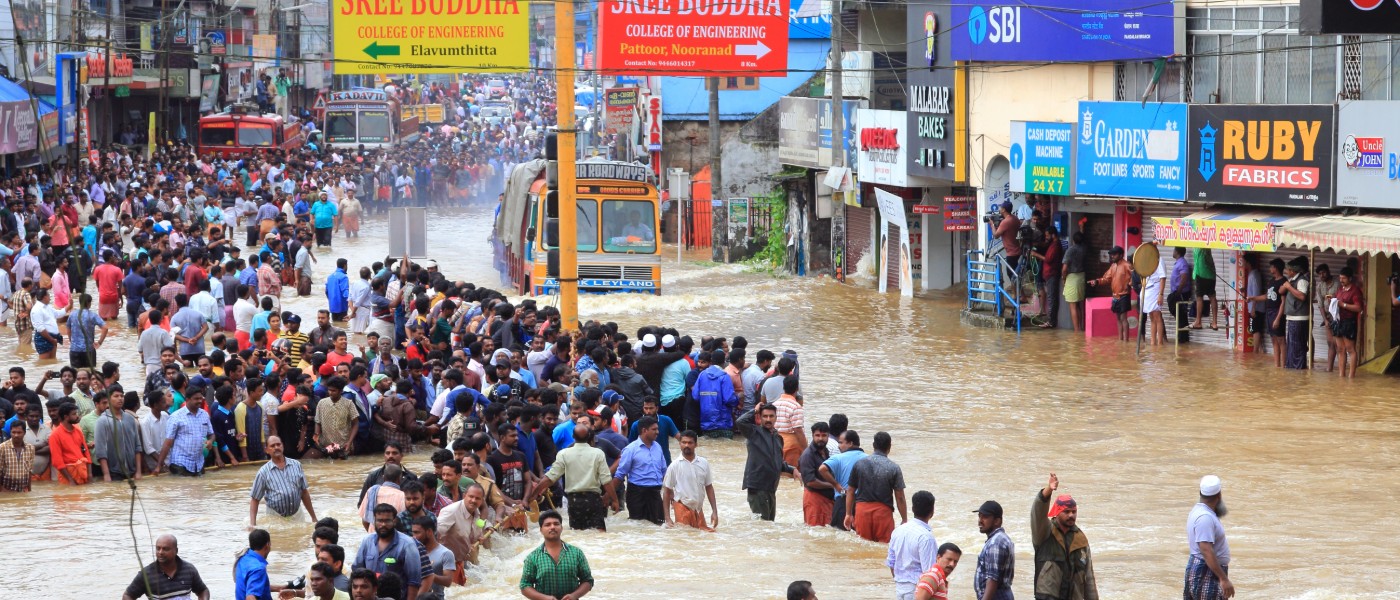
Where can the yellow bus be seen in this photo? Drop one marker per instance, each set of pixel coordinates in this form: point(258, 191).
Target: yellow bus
point(617, 225)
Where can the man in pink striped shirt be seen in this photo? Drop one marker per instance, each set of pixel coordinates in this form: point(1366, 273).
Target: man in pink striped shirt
point(790, 422)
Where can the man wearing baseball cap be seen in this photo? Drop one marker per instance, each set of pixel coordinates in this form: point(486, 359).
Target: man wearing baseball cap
point(1064, 568)
point(1207, 571)
point(996, 565)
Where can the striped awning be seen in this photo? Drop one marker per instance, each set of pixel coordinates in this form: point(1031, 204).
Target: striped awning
point(1342, 234)
point(1362, 234)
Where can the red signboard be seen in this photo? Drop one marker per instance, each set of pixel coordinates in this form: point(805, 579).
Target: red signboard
point(925, 209)
point(959, 213)
point(746, 38)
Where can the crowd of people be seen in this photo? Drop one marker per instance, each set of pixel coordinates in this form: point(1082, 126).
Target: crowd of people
point(524, 422)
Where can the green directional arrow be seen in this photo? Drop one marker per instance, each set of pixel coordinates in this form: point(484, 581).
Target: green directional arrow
point(374, 50)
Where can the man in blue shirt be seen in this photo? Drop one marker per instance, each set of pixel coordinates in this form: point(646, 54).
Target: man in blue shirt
point(323, 215)
point(250, 572)
point(837, 471)
point(338, 290)
point(389, 550)
point(643, 466)
point(135, 285)
point(667, 427)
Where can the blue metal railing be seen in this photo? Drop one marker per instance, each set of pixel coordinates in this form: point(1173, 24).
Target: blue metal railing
point(984, 284)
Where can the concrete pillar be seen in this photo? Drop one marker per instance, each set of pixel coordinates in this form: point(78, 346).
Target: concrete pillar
point(1376, 322)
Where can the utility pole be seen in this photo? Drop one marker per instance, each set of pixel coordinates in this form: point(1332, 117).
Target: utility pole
point(568, 200)
point(838, 146)
point(719, 225)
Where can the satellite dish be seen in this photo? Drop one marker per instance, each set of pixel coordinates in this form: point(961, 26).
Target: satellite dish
point(1146, 259)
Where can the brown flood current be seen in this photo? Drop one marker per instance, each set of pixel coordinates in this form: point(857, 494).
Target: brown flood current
point(1307, 458)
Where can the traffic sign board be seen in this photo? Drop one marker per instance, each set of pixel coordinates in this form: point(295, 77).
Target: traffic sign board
point(431, 36)
point(693, 37)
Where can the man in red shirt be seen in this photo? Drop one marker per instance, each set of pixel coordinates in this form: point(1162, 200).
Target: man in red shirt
point(196, 273)
point(1050, 273)
point(68, 448)
point(109, 287)
point(933, 584)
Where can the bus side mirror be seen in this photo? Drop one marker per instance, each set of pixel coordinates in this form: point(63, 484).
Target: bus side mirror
point(551, 233)
point(530, 234)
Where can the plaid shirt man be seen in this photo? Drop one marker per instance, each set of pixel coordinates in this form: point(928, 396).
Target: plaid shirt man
point(556, 579)
point(189, 432)
point(997, 562)
point(21, 303)
point(15, 466)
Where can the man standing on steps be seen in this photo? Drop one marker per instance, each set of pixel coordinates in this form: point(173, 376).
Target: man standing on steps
point(1064, 568)
point(1208, 569)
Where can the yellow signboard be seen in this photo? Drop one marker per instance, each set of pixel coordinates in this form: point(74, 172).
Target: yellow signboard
point(1245, 236)
point(431, 36)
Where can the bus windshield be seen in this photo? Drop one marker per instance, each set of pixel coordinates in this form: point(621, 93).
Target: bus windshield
point(586, 225)
point(627, 226)
point(340, 126)
point(216, 134)
point(254, 134)
point(374, 127)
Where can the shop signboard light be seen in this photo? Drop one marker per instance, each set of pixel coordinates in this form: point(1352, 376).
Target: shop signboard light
point(1067, 30)
point(1368, 158)
point(932, 91)
point(1041, 157)
point(1128, 150)
point(1261, 154)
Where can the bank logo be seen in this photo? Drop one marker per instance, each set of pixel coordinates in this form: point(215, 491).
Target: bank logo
point(1367, 4)
point(930, 37)
point(1206, 165)
point(977, 24)
point(1018, 156)
point(1364, 152)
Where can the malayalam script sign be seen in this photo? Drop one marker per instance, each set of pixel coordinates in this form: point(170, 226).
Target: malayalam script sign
point(693, 37)
point(1128, 150)
point(431, 36)
point(622, 109)
point(1245, 236)
point(959, 213)
point(1041, 156)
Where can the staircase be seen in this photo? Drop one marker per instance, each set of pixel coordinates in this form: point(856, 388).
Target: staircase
point(985, 292)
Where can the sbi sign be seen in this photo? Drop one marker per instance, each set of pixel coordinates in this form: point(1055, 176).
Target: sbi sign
point(998, 25)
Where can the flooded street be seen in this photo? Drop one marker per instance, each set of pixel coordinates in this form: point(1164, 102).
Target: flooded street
point(1307, 459)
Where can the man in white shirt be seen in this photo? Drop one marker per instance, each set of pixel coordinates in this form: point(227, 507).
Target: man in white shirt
point(913, 549)
point(45, 318)
point(207, 305)
point(244, 310)
point(687, 483)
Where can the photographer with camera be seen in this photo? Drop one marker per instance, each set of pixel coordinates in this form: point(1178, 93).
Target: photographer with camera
point(1007, 230)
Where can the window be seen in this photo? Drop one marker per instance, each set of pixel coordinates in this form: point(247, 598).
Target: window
point(216, 134)
point(734, 83)
point(587, 225)
point(629, 226)
point(340, 126)
point(254, 134)
point(374, 127)
point(1252, 54)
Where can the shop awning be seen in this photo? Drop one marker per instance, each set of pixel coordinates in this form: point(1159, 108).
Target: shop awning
point(1343, 234)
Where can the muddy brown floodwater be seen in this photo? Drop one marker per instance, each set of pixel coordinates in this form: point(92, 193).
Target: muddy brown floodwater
point(1307, 459)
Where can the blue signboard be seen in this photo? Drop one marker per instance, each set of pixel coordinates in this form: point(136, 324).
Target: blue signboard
point(1041, 156)
point(824, 129)
point(807, 21)
point(1064, 30)
point(1128, 150)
